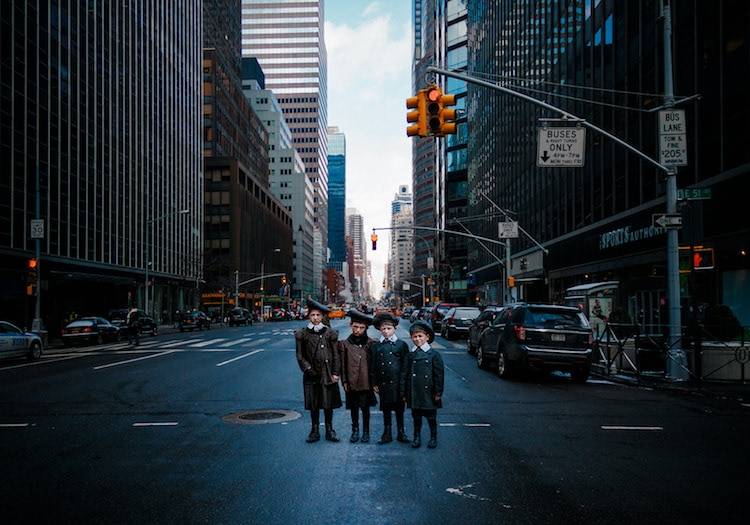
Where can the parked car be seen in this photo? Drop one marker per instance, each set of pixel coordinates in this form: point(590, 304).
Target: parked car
point(240, 316)
point(419, 313)
point(194, 320)
point(90, 330)
point(479, 325)
point(438, 311)
point(15, 342)
point(547, 337)
point(456, 321)
point(279, 314)
point(119, 318)
point(406, 311)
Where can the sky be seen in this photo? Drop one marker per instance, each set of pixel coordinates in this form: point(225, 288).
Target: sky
point(369, 46)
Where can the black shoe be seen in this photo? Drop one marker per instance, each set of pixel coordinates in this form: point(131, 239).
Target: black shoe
point(355, 435)
point(314, 436)
point(432, 443)
point(365, 437)
point(417, 442)
point(387, 436)
point(331, 435)
point(401, 438)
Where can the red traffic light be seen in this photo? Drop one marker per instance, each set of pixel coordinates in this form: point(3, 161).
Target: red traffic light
point(374, 239)
point(32, 264)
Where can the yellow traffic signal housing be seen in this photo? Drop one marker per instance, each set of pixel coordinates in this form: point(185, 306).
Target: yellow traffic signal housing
point(32, 266)
point(418, 116)
point(440, 119)
point(374, 239)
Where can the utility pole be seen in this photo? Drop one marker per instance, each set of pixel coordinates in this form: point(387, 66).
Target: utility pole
point(676, 360)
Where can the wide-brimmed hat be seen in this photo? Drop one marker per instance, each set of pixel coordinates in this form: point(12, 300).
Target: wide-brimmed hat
point(423, 326)
point(359, 317)
point(384, 317)
point(315, 305)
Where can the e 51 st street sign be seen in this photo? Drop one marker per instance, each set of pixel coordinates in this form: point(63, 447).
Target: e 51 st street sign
point(559, 146)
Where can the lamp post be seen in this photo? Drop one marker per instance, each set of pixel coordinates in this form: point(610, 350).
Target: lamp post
point(149, 225)
point(262, 283)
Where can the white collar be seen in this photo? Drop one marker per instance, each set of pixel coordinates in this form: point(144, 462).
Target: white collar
point(425, 348)
point(316, 327)
point(392, 339)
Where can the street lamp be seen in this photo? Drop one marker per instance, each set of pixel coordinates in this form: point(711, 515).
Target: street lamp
point(149, 225)
point(262, 284)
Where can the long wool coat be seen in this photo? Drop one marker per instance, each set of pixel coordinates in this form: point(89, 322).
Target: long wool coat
point(318, 359)
point(422, 378)
point(385, 368)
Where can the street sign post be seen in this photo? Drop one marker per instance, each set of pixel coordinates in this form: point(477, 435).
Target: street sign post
point(693, 194)
point(507, 230)
point(672, 137)
point(666, 220)
point(560, 146)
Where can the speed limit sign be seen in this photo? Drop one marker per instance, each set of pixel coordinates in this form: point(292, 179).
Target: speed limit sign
point(37, 228)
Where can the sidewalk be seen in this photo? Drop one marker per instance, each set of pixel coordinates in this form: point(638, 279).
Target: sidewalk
point(714, 389)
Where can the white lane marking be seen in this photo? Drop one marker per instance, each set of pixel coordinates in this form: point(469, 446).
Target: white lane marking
point(208, 342)
point(16, 425)
point(235, 342)
point(157, 424)
point(629, 427)
point(179, 343)
point(460, 491)
point(239, 357)
point(44, 360)
point(133, 360)
point(470, 425)
point(745, 405)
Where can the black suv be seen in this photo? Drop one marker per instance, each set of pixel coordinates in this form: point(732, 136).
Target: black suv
point(548, 337)
point(119, 318)
point(479, 325)
point(192, 320)
point(241, 316)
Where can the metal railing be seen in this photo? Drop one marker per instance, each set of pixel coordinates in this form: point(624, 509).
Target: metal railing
point(643, 351)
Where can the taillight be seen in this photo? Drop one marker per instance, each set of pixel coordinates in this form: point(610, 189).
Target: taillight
point(87, 329)
point(520, 332)
point(591, 338)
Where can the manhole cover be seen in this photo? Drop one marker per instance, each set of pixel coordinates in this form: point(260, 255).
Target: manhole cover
point(258, 417)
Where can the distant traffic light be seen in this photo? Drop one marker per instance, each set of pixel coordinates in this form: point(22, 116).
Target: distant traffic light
point(511, 282)
point(440, 120)
point(283, 279)
point(374, 239)
point(32, 266)
point(418, 117)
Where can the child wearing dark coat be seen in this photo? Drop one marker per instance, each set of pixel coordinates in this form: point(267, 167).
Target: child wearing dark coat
point(422, 378)
point(388, 356)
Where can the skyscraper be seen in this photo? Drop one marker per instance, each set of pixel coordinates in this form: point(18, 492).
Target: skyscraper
point(101, 103)
point(287, 38)
point(402, 239)
point(336, 195)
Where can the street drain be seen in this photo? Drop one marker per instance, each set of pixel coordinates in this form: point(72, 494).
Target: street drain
point(259, 417)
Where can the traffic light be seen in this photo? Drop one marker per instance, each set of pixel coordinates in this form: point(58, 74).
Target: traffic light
point(283, 279)
point(374, 239)
point(440, 120)
point(511, 282)
point(418, 117)
point(32, 266)
point(702, 259)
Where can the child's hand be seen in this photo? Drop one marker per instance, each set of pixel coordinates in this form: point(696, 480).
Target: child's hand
point(436, 398)
point(335, 378)
point(376, 389)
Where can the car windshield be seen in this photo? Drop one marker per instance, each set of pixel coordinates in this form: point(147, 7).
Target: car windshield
point(554, 318)
point(81, 323)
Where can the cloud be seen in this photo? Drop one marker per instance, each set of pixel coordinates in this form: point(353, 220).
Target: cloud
point(369, 79)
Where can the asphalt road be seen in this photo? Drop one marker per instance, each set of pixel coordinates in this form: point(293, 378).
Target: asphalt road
point(209, 427)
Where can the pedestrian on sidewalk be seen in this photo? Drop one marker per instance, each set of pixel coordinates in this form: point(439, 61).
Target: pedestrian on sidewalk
point(133, 325)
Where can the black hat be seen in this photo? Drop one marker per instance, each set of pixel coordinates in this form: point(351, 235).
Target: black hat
point(315, 305)
point(359, 317)
point(423, 326)
point(384, 317)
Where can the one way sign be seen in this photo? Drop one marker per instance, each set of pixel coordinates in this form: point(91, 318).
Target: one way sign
point(560, 146)
point(666, 220)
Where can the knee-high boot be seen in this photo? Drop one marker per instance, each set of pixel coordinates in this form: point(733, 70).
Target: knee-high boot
point(330, 433)
point(314, 432)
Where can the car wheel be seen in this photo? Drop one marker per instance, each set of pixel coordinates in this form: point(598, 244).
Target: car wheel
point(469, 347)
point(481, 360)
point(580, 375)
point(449, 335)
point(154, 331)
point(35, 352)
point(182, 329)
point(99, 339)
point(504, 367)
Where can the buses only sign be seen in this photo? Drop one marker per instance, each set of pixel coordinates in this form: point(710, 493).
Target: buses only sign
point(560, 147)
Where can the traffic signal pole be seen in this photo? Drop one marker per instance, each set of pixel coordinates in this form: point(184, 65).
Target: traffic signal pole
point(676, 361)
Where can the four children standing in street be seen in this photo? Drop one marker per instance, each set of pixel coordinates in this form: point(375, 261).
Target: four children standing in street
point(387, 367)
